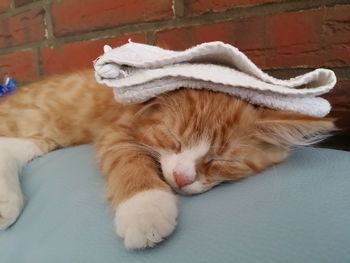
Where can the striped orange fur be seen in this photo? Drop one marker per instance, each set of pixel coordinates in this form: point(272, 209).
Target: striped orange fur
point(62, 111)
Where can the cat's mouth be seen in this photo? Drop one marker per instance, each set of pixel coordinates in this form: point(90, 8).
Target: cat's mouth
point(193, 188)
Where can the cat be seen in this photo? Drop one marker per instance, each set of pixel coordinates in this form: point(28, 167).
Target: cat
point(186, 141)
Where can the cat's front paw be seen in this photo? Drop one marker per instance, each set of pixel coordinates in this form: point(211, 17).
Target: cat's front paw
point(11, 203)
point(146, 218)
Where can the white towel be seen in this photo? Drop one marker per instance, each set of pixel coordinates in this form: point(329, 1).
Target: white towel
point(139, 72)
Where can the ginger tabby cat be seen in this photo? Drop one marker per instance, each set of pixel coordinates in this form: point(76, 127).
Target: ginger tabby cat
point(185, 141)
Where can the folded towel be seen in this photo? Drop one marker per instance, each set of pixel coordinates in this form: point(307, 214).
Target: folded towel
point(139, 72)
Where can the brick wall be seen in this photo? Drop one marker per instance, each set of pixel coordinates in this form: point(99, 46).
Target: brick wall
point(284, 37)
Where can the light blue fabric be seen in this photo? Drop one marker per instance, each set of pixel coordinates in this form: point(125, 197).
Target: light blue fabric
point(298, 211)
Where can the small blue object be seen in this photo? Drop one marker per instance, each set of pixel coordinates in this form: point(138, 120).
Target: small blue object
point(9, 86)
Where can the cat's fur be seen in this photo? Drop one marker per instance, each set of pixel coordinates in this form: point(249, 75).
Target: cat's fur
point(187, 140)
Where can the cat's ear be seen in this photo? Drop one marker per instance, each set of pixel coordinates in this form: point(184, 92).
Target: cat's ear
point(288, 129)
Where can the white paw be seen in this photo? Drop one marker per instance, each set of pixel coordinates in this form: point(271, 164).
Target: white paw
point(11, 203)
point(146, 218)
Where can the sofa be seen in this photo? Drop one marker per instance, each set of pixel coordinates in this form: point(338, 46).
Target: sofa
point(297, 211)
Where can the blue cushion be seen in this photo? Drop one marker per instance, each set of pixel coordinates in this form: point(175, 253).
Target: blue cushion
point(298, 211)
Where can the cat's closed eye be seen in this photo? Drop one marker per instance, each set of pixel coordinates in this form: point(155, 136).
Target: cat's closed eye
point(176, 139)
point(208, 159)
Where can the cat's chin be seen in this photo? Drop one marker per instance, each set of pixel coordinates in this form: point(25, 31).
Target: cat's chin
point(192, 189)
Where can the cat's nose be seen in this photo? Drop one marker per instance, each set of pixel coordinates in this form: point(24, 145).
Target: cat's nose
point(181, 180)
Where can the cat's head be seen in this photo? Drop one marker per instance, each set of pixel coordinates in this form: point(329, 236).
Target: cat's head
point(204, 138)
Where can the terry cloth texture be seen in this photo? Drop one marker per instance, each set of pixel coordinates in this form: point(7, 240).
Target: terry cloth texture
point(139, 72)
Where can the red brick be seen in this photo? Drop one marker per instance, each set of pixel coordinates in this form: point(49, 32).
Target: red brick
point(291, 39)
point(246, 34)
point(19, 65)
point(203, 6)
point(72, 16)
point(250, 37)
point(337, 55)
point(5, 5)
point(176, 38)
point(78, 55)
point(337, 35)
point(22, 28)
point(250, 33)
point(295, 39)
point(224, 31)
point(182, 38)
